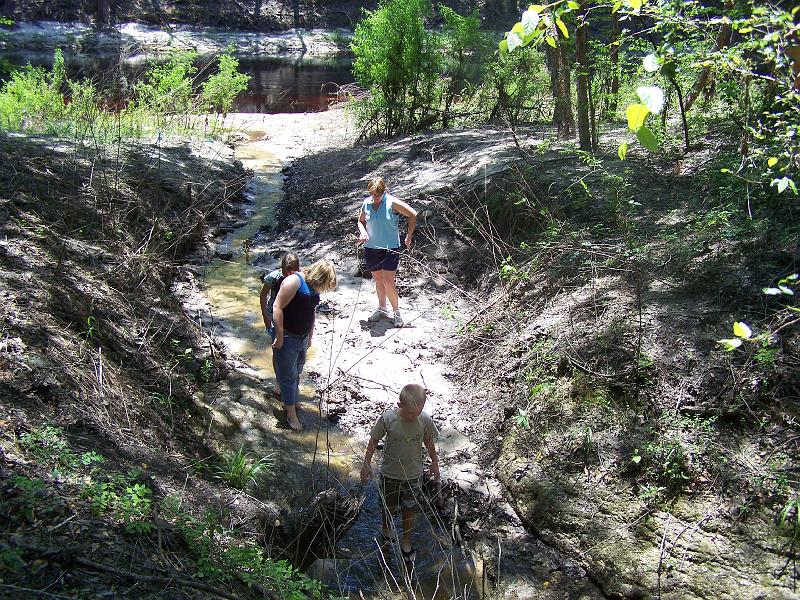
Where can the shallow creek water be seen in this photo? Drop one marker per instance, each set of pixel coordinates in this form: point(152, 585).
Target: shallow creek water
point(360, 566)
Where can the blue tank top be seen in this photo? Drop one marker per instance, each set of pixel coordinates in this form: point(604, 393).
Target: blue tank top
point(382, 223)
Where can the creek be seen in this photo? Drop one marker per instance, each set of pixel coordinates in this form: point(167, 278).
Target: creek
point(323, 455)
point(286, 84)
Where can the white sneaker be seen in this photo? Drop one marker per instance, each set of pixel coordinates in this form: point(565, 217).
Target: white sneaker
point(380, 313)
point(398, 321)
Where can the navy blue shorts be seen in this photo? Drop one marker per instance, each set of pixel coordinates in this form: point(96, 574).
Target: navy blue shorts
point(381, 259)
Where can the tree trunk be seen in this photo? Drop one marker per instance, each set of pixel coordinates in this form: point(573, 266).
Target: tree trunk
point(560, 84)
point(582, 82)
point(722, 41)
point(612, 103)
point(103, 13)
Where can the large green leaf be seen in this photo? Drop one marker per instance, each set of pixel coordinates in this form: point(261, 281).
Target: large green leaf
point(730, 344)
point(562, 28)
point(636, 114)
point(652, 97)
point(503, 46)
point(622, 151)
point(514, 41)
point(647, 139)
point(651, 63)
point(530, 21)
point(741, 330)
point(635, 5)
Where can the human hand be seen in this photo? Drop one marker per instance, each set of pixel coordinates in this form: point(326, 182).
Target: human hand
point(308, 343)
point(277, 344)
point(366, 473)
point(408, 242)
point(435, 473)
point(363, 237)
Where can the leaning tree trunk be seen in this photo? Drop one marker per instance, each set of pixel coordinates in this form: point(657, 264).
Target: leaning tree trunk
point(103, 13)
point(558, 67)
point(722, 41)
point(582, 82)
point(614, 99)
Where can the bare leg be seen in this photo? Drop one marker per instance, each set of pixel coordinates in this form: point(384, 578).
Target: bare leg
point(390, 288)
point(408, 527)
point(380, 287)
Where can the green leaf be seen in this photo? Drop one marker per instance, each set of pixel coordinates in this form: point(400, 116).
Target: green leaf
point(647, 139)
point(786, 290)
point(551, 41)
point(573, 5)
point(635, 5)
point(503, 46)
point(652, 97)
point(622, 151)
point(530, 21)
point(512, 89)
point(518, 29)
point(562, 28)
point(536, 8)
point(730, 344)
point(616, 6)
point(782, 184)
point(772, 162)
point(636, 114)
point(651, 63)
point(771, 291)
point(741, 330)
point(514, 41)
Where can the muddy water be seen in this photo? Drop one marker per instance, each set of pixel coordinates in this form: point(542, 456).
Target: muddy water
point(360, 566)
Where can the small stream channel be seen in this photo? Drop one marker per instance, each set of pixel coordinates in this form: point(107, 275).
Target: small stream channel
point(361, 567)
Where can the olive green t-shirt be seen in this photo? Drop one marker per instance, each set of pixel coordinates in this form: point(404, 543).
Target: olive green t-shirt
point(402, 452)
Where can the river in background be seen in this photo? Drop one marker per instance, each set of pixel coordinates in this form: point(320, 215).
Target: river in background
point(277, 84)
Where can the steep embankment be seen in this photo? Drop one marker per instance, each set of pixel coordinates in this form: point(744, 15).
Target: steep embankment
point(586, 367)
point(99, 368)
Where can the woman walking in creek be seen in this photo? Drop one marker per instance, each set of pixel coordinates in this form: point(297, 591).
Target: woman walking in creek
point(293, 318)
point(378, 226)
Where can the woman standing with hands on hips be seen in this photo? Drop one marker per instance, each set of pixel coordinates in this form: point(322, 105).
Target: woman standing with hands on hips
point(378, 227)
point(293, 316)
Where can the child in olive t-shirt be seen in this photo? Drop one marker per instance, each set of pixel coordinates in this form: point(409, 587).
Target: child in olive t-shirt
point(407, 429)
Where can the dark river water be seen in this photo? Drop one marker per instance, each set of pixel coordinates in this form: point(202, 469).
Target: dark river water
point(277, 85)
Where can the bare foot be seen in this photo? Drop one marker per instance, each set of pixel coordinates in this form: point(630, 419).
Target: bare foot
point(291, 416)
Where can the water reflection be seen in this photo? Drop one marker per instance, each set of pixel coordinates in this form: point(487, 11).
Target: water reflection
point(277, 84)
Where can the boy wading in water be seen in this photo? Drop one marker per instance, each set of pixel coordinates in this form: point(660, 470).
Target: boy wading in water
point(407, 429)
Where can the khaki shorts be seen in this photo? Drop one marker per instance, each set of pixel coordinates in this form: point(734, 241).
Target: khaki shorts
point(399, 494)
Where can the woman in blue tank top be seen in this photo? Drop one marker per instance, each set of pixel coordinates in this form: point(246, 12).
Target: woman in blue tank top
point(293, 317)
point(378, 227)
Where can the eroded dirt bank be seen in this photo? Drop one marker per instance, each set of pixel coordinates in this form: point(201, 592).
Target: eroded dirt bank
point(587, 378)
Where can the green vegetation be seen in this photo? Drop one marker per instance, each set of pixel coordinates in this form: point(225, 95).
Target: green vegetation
point(163, 102)
point(239, 470)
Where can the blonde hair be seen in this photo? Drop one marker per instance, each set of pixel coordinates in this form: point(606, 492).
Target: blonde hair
point(414, 394)
point(376, 184)
point(321, 276)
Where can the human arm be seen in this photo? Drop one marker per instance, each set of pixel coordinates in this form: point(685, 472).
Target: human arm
point(366, 469)
point(288, 289)
point(311, 331)
point(430, 446)
point(363, 236)
point(264, 297)
point(405, 210)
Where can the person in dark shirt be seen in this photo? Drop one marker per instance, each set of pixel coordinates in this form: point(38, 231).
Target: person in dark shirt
point(269, 291)
point(293, 316)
